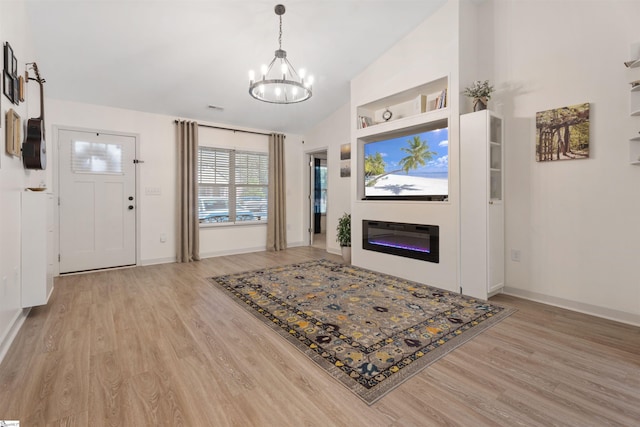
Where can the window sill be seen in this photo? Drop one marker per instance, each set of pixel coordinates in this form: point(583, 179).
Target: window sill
point(231, 224)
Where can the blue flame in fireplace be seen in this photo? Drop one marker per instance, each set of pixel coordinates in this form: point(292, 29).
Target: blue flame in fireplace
point(404, 246)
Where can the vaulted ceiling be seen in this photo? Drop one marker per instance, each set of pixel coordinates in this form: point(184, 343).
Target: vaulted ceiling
point(179, 57)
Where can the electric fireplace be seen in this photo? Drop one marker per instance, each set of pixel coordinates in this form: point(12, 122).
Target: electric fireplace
point(415, 241)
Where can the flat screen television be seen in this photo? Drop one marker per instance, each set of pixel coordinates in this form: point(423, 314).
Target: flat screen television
point(414, 166)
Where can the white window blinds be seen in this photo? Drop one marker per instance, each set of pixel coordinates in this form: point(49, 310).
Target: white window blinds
point(233, 185)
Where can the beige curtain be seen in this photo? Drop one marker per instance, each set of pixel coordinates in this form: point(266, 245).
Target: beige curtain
point(188, 226)
point(276, 215)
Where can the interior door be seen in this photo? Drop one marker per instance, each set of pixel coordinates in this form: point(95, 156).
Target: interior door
point(97, 200)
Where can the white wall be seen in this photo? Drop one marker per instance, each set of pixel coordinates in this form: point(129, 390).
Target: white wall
point(575, 222)
point(13, 177)
point(426, 54)
point(157, 148)
point(295, 169)
point(224, 239)
point(329, 135)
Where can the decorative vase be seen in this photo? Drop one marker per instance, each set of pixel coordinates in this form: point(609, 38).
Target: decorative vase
point(480, 104)
point(346, 254)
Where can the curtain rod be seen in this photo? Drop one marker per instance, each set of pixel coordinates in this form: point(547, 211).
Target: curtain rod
point(230, 129)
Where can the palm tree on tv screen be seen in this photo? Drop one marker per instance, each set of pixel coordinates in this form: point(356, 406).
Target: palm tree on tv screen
point(374, 165)
point(418, 154)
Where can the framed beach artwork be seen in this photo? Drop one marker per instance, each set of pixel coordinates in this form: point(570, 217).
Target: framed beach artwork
point(563, 133)
point(345, 160)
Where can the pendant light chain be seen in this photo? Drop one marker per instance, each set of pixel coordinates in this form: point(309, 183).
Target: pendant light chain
point(280, 36)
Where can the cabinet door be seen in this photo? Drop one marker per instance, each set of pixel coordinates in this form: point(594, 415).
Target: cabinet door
point(495, 223)
point(37, 248)
point(495, 247)
point(495, 158)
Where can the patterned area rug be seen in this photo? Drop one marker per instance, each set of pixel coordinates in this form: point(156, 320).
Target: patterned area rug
point(370, 331)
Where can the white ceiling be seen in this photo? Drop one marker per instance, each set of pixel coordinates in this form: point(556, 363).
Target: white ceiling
point(177, 57)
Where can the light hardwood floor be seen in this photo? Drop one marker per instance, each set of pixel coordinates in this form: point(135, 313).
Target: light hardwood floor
point(160, 346)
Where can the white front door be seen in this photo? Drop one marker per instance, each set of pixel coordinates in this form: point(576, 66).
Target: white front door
point(97, 200)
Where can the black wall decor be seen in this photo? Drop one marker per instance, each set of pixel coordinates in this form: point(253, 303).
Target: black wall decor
point(11, 85)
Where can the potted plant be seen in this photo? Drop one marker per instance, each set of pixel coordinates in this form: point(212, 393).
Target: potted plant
point(344, 236)
point(481, 93)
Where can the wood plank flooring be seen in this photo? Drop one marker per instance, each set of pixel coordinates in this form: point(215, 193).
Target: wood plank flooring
point(160, 346)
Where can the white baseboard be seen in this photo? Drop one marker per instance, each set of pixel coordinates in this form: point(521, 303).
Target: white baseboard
point(594, 310)
point(214, 254)
point(12, 332)
point(155, 261)
point(231, 252)
point(296, 244)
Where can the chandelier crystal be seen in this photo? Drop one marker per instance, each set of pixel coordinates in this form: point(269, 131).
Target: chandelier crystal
point(280, 83)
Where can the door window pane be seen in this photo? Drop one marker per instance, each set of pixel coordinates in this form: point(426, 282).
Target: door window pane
point(96, 157)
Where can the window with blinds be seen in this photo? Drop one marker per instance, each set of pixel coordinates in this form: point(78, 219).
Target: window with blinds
point(232, 185)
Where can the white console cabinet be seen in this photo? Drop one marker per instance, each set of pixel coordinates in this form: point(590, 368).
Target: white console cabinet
point(37, 252)
point(481, 204)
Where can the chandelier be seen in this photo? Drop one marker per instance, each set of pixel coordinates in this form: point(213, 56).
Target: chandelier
point(280, 82)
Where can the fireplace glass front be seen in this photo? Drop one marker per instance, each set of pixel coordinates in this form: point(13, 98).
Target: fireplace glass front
point(415, 241)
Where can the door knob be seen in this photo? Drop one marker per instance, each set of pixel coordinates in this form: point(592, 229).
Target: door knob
point(130, 197)
point(130, 207)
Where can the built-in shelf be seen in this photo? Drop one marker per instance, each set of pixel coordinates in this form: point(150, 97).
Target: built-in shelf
point(403, 123)
point(633, 77)
point(634, 150)
point(416, 110)
point(401, 110)
point(634, 63)
point(634, 100)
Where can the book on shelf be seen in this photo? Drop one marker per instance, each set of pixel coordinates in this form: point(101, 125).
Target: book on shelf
point(437, 100)
point(442, 99)
point(364, 121)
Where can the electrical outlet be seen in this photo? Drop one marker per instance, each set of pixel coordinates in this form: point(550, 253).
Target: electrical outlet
point(152, 191)
point(163, 237)
point(515, 255)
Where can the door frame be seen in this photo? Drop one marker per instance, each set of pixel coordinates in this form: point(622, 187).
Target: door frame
point(54, 159)
point(309, 156)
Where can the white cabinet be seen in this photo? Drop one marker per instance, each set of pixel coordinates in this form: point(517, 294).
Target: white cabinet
point(481, 204)
point(37, 252)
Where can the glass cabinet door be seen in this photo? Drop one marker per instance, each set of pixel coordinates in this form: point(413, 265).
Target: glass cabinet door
point(495, 158)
